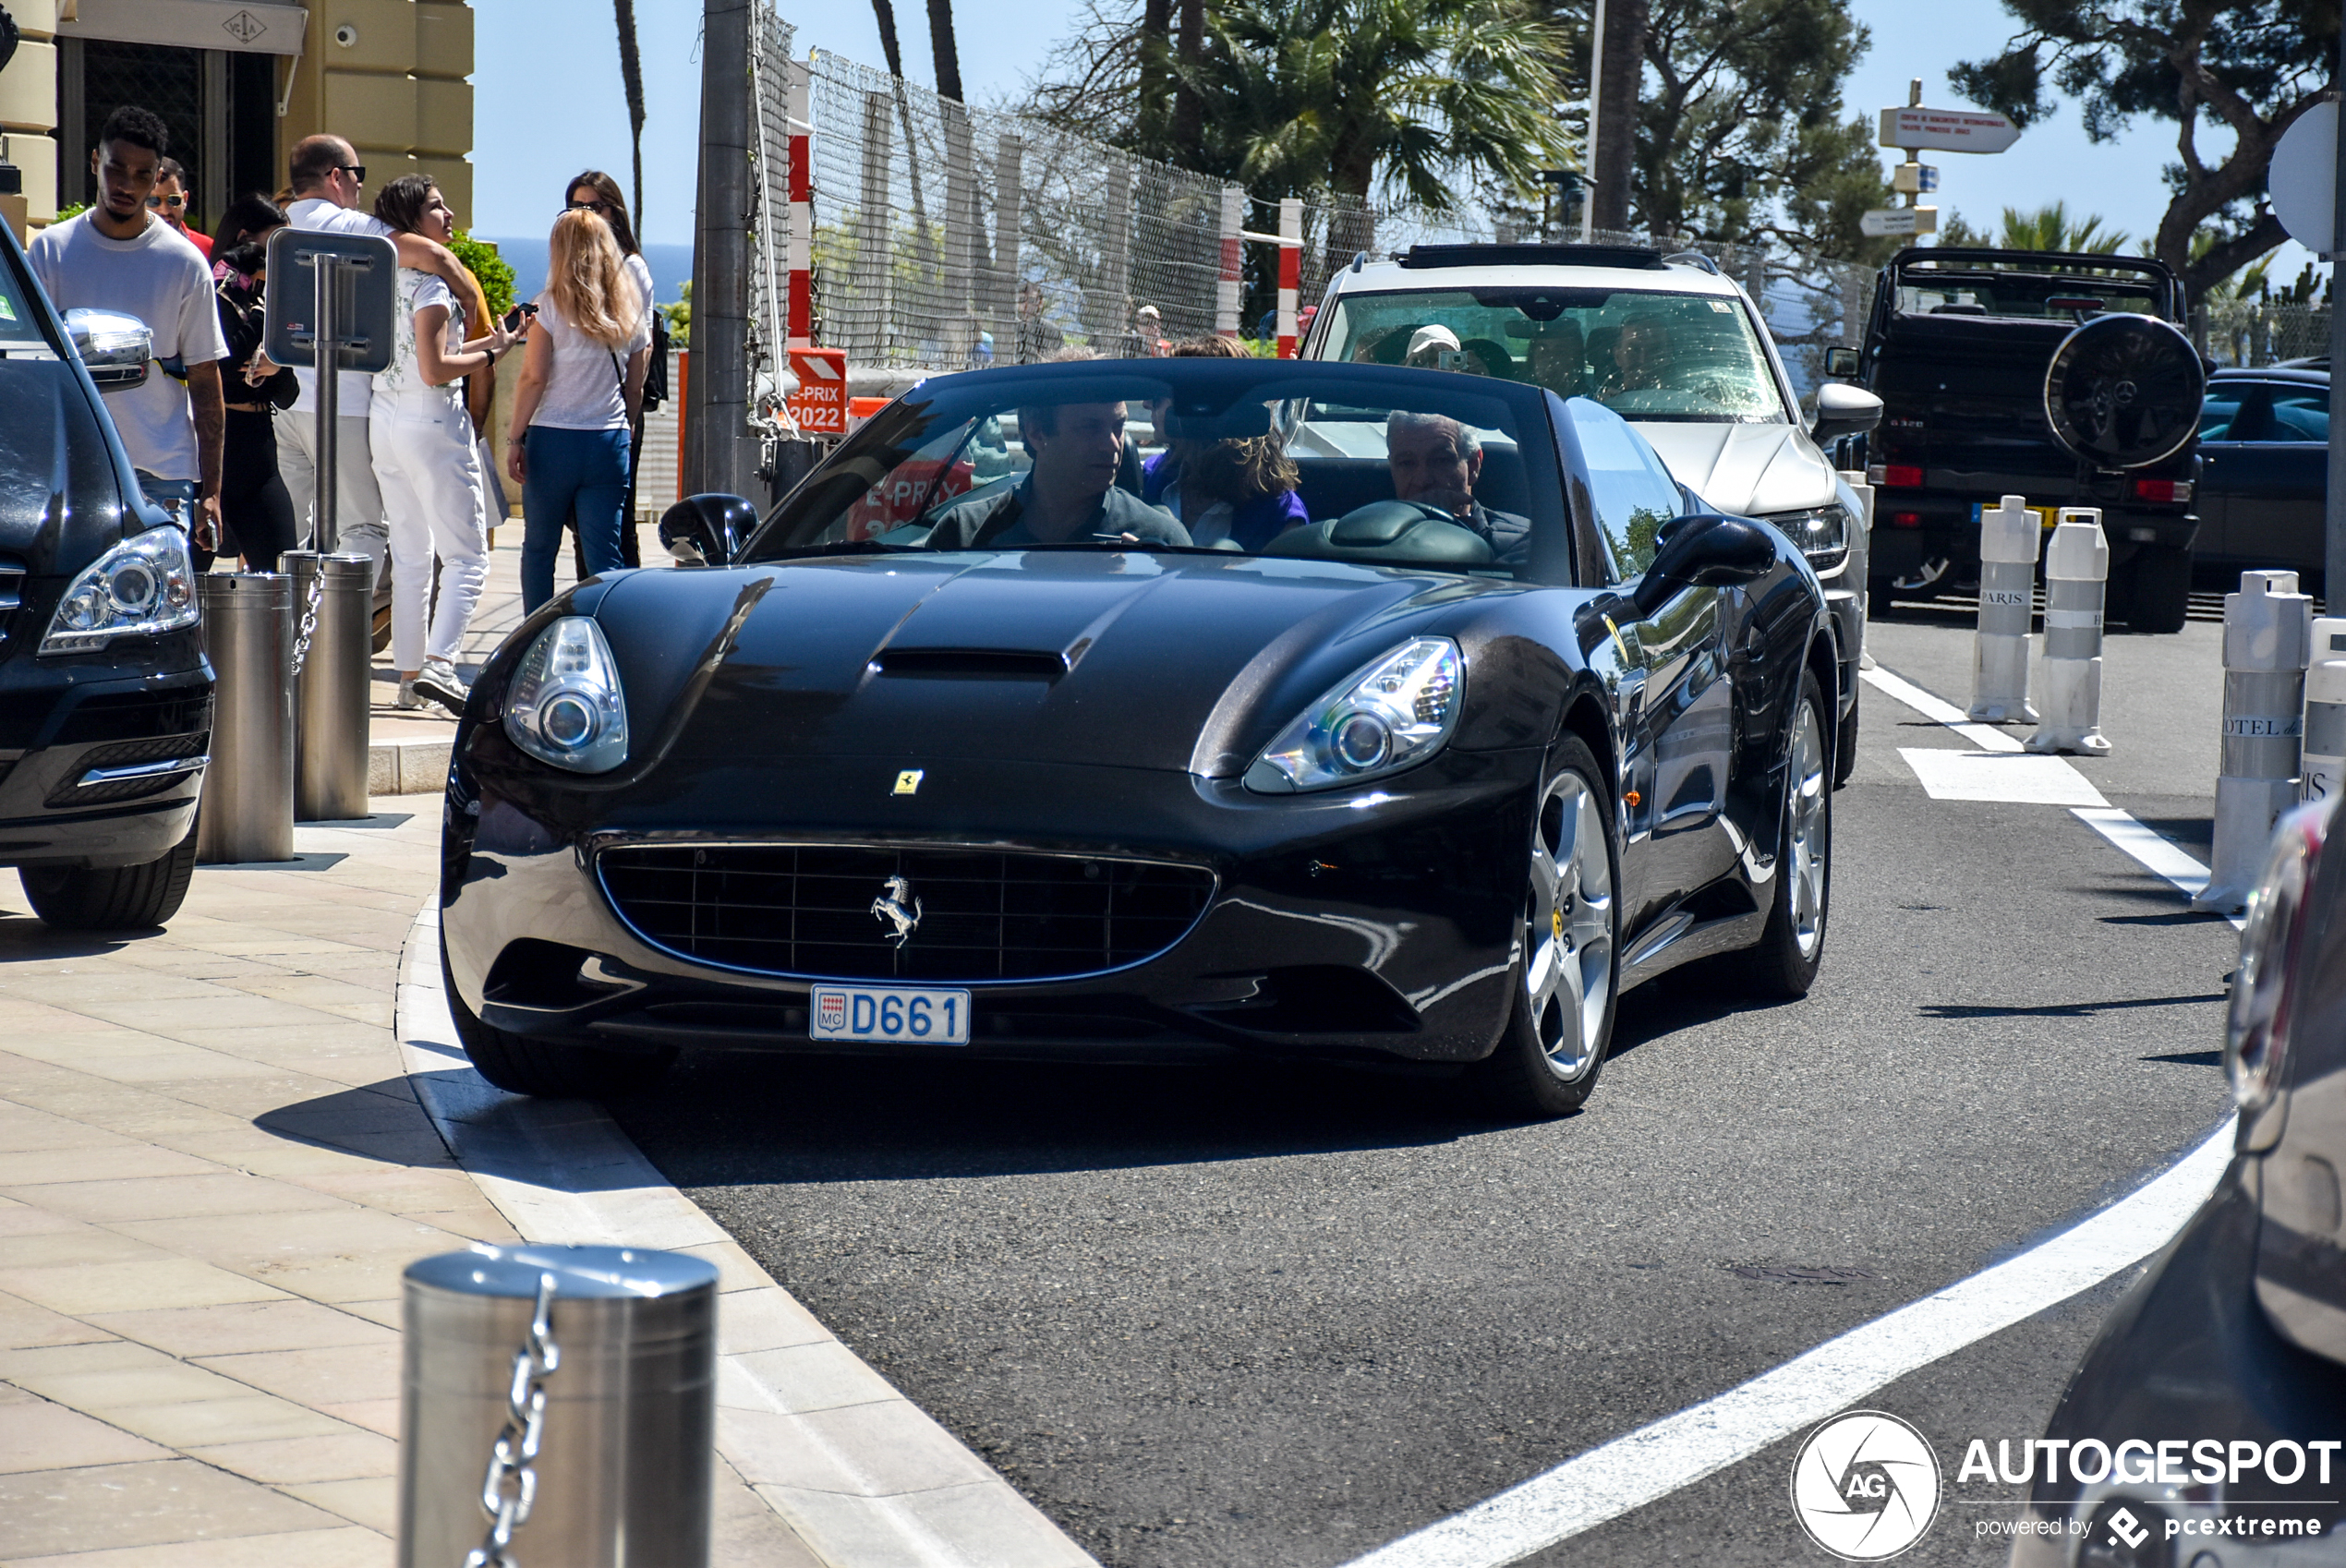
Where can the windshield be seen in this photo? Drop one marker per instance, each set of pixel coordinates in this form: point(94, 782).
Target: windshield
point(1276, 462)
point(2014, 295)
point(1645, 355)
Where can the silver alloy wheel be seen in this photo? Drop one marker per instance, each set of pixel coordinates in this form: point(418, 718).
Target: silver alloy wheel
point(1806, 847)
point(1567, 929)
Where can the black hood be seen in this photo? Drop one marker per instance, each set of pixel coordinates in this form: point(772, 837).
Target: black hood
point(1173, 662)
point(60, 496)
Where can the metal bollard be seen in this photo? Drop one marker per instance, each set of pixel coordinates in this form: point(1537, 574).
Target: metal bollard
point(2007, 606)
point(2323, 769)
point(617, 1346)
point(2076, 572)
point(2268, 634)
point(330, 698)
point(247, 812)
point(1856, 480)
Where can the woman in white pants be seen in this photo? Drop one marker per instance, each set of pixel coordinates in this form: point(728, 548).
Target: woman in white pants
point(426, 460)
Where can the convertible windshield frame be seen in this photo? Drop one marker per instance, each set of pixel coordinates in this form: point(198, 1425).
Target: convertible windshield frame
point(955, 439)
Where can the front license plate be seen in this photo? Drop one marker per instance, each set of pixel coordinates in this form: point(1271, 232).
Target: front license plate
point(2046, 516)
point(890, 1013)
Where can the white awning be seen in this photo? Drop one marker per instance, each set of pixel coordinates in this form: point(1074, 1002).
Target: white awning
point(238, 25)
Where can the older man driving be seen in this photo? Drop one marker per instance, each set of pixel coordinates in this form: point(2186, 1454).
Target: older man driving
point(1068, 496)
point(1435, 460)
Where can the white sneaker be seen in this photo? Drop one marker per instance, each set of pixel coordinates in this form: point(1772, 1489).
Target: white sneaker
point(439, 684)
point(407, 701)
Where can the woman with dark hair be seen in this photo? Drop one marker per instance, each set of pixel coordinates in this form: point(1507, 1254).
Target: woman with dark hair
point(421, 440)
point(1242, 491)
point(595, 191)
point(253, 501)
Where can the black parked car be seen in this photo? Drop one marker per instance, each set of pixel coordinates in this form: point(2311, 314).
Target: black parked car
point(2235, 1344)
point(965, 746)
point(2264, 479)
point(105, 697)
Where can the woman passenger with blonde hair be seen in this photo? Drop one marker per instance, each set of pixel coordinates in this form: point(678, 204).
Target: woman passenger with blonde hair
point(581, 383)
point(1236, 494)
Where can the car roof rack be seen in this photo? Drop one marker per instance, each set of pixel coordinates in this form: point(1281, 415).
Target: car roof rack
point(1695, 259)
point(1631, 256)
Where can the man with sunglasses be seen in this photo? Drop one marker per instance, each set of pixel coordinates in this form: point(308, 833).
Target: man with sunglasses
point(327, 179)
point(121, 256)
point(169, 202)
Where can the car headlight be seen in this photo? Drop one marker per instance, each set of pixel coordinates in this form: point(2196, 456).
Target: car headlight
point(1390, 716)
point(565, 706)
point(142, 586)
point(1821, 532)
point(2256, 1028)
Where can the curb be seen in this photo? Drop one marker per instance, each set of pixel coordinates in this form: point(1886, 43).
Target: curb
point(407, 768)
point(863, 1477)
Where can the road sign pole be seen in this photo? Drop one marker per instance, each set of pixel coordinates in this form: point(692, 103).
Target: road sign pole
point(2334, 513)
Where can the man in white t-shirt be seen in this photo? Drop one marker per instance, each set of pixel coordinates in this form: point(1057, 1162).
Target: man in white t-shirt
point(118, 256)
point(326, 177)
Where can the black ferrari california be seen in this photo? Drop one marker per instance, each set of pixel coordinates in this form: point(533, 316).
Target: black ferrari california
point(1147, 709)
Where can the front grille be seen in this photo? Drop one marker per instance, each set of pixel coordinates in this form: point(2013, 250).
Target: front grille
point(131, 715)
point(71, 791)
point(983, 914)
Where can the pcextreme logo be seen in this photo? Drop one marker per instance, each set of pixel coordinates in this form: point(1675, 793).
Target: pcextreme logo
point(1865, 1486)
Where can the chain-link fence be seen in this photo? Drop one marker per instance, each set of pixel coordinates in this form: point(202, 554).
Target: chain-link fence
point(2259, 331)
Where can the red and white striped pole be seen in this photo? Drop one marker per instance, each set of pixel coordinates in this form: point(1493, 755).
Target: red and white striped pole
point(1226, 291)
point(801, 253)
point(1290, 270)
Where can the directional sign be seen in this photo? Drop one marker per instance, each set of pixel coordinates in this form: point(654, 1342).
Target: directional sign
point(1884, 220)
point(2304, 179)
point(1949, 130)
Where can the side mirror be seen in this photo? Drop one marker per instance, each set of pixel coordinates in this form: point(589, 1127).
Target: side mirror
point(706, 530)
point(1842, 363)
point(1843, 411)
point(1705, 552)
point(115, 347)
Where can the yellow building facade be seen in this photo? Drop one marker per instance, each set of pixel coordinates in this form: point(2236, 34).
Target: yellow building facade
point(239, 83)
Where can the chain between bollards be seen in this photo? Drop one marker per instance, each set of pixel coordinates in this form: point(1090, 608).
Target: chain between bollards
point(308, 625)
point(509, 1489)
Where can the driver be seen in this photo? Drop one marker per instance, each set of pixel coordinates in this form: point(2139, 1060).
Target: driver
point(1435, 461)
point(1641, 355)
point(1070, 494)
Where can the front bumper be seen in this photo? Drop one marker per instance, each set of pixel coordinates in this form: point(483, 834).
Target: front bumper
point(2188, 1356)
point(1377, 924)
point(100, 753)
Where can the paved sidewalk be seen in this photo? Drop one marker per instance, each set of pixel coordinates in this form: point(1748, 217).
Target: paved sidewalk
point(212, 1169)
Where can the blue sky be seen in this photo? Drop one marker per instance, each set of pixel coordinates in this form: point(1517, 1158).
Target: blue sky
point(531, 54)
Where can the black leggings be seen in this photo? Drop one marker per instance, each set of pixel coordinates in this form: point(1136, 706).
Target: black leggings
point(253, 502)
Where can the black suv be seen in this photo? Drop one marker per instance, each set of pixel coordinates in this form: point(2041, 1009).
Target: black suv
point(105, 695)
point(1957, 347)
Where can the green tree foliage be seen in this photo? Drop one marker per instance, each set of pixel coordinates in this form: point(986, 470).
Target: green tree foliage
point(492, 272)
point(680, 315)
point(2047, 228)
point(1741, 131)
point(2247, 69)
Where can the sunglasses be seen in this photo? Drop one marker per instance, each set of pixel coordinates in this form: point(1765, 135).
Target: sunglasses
point(355, 171)
point(162, 201)
point(596, 206)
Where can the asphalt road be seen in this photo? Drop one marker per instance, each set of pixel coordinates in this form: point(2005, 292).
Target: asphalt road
point(1282, 1316)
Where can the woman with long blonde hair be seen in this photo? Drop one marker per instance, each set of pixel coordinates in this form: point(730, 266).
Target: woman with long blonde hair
point(581, 384)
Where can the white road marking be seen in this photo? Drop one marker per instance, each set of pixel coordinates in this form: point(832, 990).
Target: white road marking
point(2013, 778)
point(1647, 1464)
point(1676, 1450)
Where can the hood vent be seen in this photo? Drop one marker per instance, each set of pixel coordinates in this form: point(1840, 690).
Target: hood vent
point(971, 664)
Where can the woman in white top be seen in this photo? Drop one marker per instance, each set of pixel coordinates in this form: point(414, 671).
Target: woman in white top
point(595, 191)
point(421, 442)
point(580, 386)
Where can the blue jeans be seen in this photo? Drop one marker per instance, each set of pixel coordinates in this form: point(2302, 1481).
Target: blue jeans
point(571, 474)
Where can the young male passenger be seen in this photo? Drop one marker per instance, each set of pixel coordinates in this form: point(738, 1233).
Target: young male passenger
point(1435, 460)
point(1070, 494)
point(120, 255)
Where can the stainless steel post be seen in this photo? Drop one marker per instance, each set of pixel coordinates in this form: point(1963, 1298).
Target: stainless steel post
point(330, 696)
point(248, 796)
point(627, 1369)
point(326, 358)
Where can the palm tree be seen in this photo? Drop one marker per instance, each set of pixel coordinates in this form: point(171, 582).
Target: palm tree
point(2050, 228)
point(1412, 97)
point(630, 75)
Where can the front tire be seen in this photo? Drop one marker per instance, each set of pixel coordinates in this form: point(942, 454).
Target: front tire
point(523, 1065)
point(1845, 742)
point(1785, 961)
point(120, 897)
point(1568, 963)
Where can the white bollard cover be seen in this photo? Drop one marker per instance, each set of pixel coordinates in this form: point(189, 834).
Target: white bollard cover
point(2323, 771)
point(2267, 638)
point(2076, 572)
